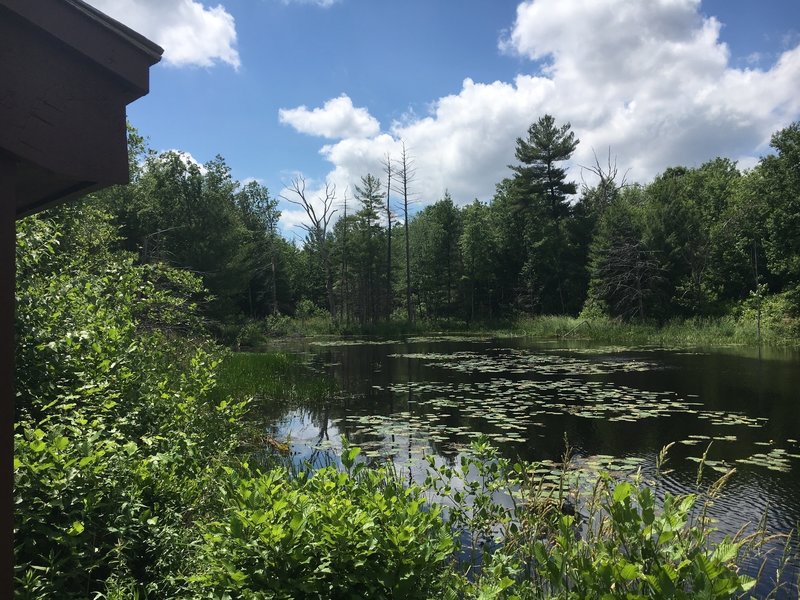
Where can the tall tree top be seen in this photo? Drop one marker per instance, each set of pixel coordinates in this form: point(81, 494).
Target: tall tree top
point(370, 196)
point(547, 145)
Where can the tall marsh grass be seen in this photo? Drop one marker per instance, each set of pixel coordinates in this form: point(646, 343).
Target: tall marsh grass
point(280, 377)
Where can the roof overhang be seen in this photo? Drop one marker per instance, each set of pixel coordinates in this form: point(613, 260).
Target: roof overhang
point(67, 73)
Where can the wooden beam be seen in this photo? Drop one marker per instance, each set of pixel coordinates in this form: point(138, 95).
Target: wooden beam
point(7, 285)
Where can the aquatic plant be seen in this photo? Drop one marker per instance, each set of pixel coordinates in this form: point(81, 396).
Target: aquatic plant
point(528, 536)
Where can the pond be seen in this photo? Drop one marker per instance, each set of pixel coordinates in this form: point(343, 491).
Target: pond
point(616, 407)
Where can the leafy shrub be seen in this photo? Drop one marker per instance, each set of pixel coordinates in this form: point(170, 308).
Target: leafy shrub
point(306, 309)
point(777, 313)
point(116, 436)
point(278, 325)
point(251, 334)
point(333, 534)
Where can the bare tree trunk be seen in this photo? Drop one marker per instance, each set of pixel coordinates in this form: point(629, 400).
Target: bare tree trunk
point(406, 177)
point(274, 286)
point(326, 261)
point(389, 291)
point(345, 280)
point(408, 258)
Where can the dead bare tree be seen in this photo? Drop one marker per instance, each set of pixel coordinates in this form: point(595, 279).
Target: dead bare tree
point(607, 188)
point(405, 177)
point(345, 277)
point(387, 168)
point(319, 219)
point(628, 275)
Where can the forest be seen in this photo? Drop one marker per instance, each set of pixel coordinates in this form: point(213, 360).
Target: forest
point(705, 241)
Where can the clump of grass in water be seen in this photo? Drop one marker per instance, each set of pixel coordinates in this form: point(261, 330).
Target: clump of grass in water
point(278, 377)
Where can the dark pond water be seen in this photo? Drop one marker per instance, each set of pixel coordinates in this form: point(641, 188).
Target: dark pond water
point(616, 406)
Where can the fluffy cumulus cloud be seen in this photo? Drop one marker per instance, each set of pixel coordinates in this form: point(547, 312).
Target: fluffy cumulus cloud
point(652, 81)
point(337, 119)
point(191, 33)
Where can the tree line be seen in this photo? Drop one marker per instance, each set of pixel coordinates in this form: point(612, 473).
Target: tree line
point(694, 241)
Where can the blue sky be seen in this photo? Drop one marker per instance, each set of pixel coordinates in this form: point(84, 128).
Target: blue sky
point(325, 88)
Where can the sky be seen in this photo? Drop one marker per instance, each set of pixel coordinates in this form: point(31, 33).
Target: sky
point(325, 89)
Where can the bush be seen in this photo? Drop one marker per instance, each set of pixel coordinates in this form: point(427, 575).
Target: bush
point(355, 534)
point(117, 437)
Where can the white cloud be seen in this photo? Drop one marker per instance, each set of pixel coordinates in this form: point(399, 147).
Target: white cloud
point(248, 180)
point(190, 33)
point(186, 158)
point(651, 80)
point(322, 3)
point(337, 119)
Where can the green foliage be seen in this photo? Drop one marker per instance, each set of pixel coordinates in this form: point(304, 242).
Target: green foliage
point(356, 534)
point(197, 217)
point(542, 180)
point(693, 243)
point(116, 437)
point(435, 233)
point(550, 277)
point(567, 538)
point(777, 186)
point(269, 290)
point(479, 248)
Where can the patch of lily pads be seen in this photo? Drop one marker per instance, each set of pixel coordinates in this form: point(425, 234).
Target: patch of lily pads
point(428, 339)
point(521, 391)
point(353, 342)
point(511, 404)
point(523, 362)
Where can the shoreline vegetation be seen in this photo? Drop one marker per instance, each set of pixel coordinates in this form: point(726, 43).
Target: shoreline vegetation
point(774, 330)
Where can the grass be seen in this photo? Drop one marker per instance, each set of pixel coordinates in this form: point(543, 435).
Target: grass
point(697, 331)
point(283, 378)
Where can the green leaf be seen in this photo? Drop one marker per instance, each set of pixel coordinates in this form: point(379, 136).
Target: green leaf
point(76, 529)
point(622, 491)
point(37, 446)
point(629, 571)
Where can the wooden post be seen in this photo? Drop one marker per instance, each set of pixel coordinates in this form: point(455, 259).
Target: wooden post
point(7, 283)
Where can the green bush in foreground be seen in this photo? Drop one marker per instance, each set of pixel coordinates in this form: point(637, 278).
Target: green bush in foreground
point(333, 534)
point(365, 533)
point(116, 436)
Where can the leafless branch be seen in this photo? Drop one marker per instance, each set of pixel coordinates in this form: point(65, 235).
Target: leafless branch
point(317, 226)
point(607, 184)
